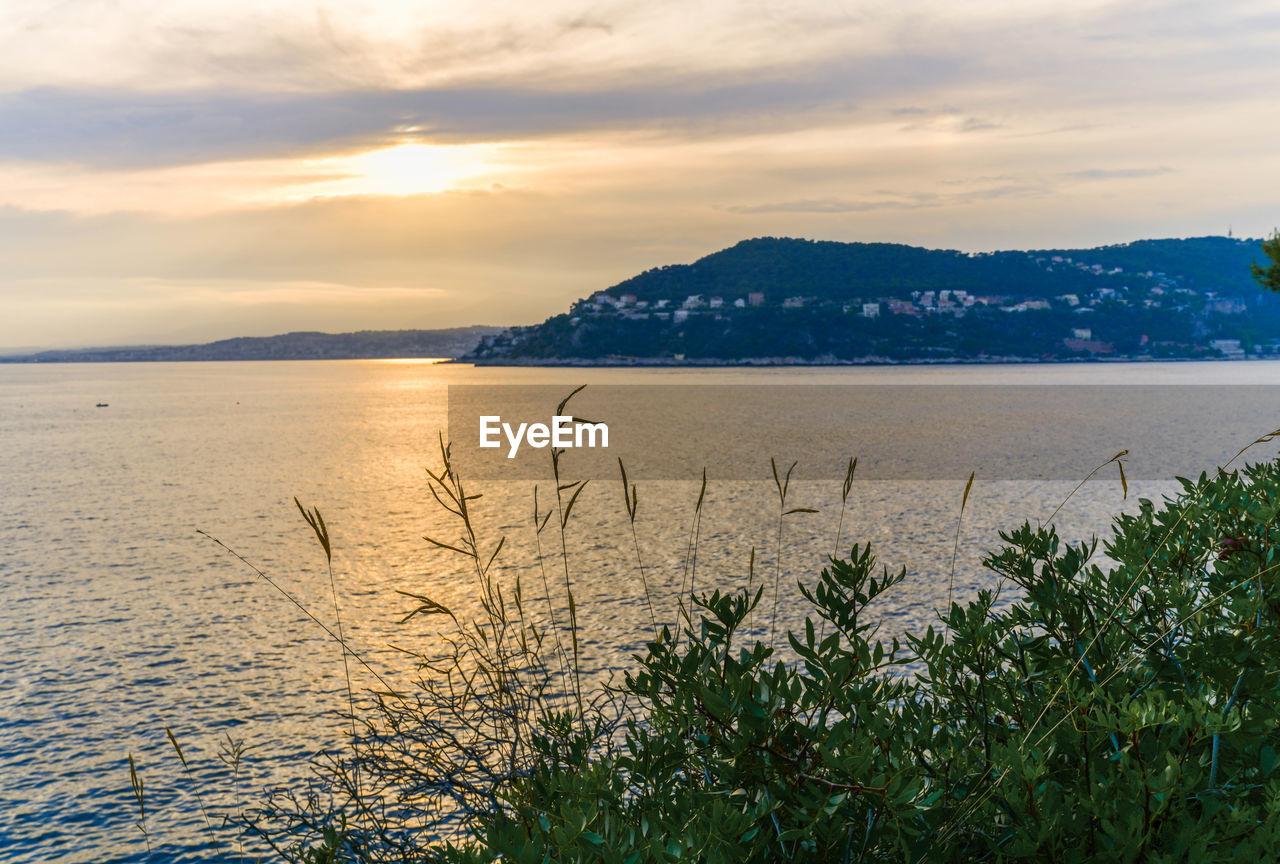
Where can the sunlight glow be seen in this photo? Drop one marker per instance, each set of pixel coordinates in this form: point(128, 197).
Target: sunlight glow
point(410, 361)
point(404, 169)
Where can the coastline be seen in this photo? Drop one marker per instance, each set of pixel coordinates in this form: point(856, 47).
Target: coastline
point(783, 362)
point(660, 362)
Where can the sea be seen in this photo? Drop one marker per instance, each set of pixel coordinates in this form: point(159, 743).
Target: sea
point(150, 532)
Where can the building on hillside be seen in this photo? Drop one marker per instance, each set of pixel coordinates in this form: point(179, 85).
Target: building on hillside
point(1091, 346)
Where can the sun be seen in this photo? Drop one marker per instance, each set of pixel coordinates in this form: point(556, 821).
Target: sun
point(405, 169)
point(418, 169)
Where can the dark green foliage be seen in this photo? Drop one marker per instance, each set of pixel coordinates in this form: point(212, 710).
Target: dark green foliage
point(1204, 263)
point(1269, 277)
point(1199, 292)
point(825, 269)
point(1113, 706)
point(1119, 710)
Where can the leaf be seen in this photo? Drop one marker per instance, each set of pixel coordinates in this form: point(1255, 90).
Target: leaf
point(715, 703)
point(174, 742)
point(1124, 484)
point(628, 494)
point(1268, 760)
point(569, 508)
point(848, 479)
point(450, 548)
point(501, 541)
point(565, 400)
point(428, 606)
point(137, 785)
point(316, 521)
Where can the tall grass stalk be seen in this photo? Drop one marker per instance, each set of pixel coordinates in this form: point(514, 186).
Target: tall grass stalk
point(231, 753)
point(690, 571)
point(565, 511)
point(845, 488)
point(783, 486)
point(955, 547)
point(138, 795)
point(195, 788)
point(427, 759)
point(631, 499)
point(321, 530)
point(539, 523)
point(451, 746)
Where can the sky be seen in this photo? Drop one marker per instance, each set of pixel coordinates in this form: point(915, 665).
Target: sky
point(176, 171)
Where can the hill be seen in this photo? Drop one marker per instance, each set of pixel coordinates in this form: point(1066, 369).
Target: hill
point(789, 300)
point(365, 344)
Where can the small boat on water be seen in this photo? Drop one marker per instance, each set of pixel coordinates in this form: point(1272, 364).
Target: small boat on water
point(101, 405)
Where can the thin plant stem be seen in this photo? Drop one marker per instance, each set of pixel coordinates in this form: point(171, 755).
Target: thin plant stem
point(195, 788)
point(955, 549)
point(632, 501)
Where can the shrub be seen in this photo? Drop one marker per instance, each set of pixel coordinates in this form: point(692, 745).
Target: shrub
point(1123, 707)
point(1122, 711)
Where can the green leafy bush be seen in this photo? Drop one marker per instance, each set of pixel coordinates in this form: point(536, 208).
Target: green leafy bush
point(1122, 709)
point(1091, 705)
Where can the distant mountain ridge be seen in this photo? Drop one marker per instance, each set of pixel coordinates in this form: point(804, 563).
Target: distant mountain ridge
point(824, 268)
point(304, 345)
point(787, 300)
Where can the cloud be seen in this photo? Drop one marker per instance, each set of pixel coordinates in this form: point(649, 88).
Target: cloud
point(834, 205)
point(1116, 173)
point(254, 84)
point(977, 124)
point(128, 129)
point(906, 201)
point(120, 128)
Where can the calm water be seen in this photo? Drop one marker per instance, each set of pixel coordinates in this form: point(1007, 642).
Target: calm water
point(119, 619)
